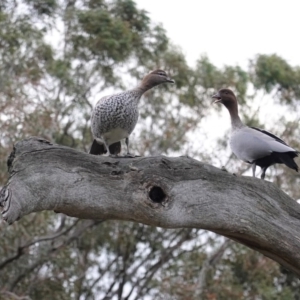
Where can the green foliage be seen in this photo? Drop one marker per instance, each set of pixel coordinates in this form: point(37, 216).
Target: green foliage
point(273, 72)
point(43, 8)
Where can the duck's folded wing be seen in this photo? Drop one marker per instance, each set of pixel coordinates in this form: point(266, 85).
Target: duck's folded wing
point(276, 144)
point(271, 135)
point(266, 140)
point(249, 144)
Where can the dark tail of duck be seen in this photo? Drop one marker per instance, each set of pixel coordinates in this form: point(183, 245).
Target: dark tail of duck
point(99, 149)
point(287, 158)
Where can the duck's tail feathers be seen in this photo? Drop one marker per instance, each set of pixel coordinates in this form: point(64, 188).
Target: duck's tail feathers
point(287, 158)
point(99, 149)
point(115, 148)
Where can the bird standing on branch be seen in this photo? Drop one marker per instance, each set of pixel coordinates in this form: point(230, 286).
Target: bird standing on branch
point(114, 117)
point(253, 145)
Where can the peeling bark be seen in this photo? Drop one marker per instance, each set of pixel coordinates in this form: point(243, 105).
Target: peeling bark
point(158, 191)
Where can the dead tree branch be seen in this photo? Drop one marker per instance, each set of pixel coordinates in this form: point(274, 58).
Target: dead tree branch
point(158, 191)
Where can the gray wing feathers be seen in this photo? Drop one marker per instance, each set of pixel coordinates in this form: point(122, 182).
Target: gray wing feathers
point(249, 144)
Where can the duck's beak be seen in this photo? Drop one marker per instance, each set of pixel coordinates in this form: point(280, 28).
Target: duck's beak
point(170, 80)
point(218, 98)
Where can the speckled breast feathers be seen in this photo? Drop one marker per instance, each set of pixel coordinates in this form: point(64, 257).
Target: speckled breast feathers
point(114, 117)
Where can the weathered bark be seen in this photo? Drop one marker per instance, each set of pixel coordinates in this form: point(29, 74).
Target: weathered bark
point(159, 191)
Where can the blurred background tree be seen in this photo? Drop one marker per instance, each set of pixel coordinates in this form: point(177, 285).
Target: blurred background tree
point(57, 58)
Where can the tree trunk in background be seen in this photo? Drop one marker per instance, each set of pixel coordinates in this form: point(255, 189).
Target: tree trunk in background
point(158, 191)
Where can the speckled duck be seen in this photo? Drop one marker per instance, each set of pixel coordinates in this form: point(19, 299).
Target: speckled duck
point(114, 117)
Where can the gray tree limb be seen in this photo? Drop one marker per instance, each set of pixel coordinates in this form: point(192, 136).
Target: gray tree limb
point(159, 191)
